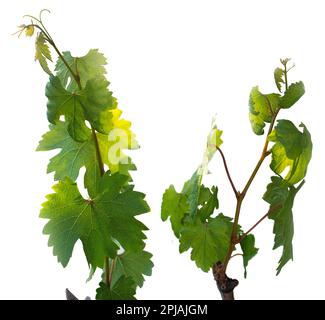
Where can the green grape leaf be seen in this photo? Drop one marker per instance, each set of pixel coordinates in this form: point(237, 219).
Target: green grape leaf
point(280, 195)
point(61, 102)
point(292, 95)
point(261, 108)
point(174, 205)
point(97, 101)
point(123, 289)
point(278, 78)
point(43, 52)
point(249, 251)
point(73, 155)
point(209, 240)
point(208, 202)
point(75, 106)
point(90, 66)
point(101, 223)
point(133, 265)
point(292, 149)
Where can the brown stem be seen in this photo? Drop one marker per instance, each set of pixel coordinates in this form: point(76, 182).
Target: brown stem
point(98, 154)
point(233, 238)
point(227, 172)
point(273, 209)
point(225, 285)
point(107, 271)
point(264, 154)
point(111, 271)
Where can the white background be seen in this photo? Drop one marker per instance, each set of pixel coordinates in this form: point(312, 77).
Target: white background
point(172, 65)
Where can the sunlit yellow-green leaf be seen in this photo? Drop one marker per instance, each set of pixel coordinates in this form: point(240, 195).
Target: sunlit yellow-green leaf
point(261, 108)
point(292, 149)
point(29, 31)
point(43, 53)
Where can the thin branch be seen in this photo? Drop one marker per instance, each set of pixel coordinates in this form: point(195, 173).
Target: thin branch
point(264, 154)
point(77, 79)
point(286, 76)
point(236, 255)
point(227, 172)
point(112, 269)
point(107, 271)
point(241, 195)
point(269, 105)
point(273, 209)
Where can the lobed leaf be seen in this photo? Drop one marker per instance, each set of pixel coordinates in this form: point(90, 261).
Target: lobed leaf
point(209, 240)
point(134, 266)
point(101, 223)
point(123, 289)
point(90, 66)
point(43, 52)
point(75, 106)
point(280, 195)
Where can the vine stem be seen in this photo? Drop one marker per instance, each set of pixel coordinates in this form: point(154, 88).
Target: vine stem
point(228, 173)
point(77, 79)
point(241, 196)
point(273, 209)
point(108, 271)
point(226, 285)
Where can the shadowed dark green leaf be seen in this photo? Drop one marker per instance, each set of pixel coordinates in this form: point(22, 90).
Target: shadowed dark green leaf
point(123, 289)
point(174, 205)
point(92, 104)
point(97, 102)
point(208, 202)
point(249, 251)
point(280, 195)
point(62, 102)
point(133, 265)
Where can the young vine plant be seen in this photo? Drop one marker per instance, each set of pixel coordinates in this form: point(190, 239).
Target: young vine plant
point(86, 127)
point(213, 238)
